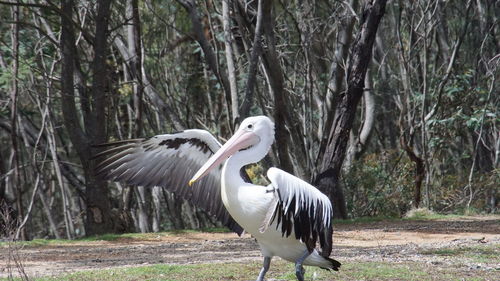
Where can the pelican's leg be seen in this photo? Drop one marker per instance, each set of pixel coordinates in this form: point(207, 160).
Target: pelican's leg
point(265, 268)
point(299, 269)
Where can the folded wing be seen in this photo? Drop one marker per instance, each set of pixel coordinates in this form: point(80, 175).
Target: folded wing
point(169, 161)
point(302, 209)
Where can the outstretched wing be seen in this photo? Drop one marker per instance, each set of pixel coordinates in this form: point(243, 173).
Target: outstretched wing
point(169, 161)
point(301, 208)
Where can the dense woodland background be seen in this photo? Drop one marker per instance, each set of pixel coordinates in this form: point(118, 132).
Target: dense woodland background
point(73, 74)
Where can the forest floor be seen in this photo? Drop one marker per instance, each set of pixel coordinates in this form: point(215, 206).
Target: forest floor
point(468, 246)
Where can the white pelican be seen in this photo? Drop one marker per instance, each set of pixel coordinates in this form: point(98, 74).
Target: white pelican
point(286, 217)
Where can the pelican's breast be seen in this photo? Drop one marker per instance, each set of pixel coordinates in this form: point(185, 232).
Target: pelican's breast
point(247, 204)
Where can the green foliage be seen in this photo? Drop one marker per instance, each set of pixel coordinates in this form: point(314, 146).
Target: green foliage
point(464, 104)
point(450, 192)
point(25, 68)
point(382, 184)
point(379, 185)
point(257, 174)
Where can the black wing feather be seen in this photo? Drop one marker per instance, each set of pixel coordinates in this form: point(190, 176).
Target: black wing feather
point(168, 161)
point(303, 209)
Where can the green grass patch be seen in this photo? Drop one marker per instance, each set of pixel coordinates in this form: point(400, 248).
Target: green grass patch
point(480, 253)
point(280, 270)
point(384, 271)
point(426, 214)
point(36, 243)
point(365, 220)
point(158, 272)
point(231, 271)
point(207, 229)
point(113, 237)
point(418, 214)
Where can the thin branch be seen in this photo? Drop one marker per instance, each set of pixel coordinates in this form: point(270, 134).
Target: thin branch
point(210, 56)
point(228, 38)
point(252, 68)
point(451, 63)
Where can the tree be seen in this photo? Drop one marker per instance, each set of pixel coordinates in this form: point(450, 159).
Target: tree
point(345, 110)
point(99, 218)
point(81, 73)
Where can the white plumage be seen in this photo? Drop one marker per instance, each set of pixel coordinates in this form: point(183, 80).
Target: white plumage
point(287, 217)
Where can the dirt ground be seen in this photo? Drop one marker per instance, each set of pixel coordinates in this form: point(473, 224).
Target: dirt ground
point(390, 241)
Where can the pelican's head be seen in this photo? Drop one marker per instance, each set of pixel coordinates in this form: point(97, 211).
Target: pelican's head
point(261, 127)
point(252, 141)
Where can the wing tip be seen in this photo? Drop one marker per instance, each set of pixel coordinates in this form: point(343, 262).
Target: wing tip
point(118, 142)
point(334, 264)
point(235, 227)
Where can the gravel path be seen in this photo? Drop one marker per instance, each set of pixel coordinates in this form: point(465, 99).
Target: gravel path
point(388, 241)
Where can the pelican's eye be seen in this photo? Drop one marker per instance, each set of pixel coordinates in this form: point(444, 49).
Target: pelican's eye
point(250, 126)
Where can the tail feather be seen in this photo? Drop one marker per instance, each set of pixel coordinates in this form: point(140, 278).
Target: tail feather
point(333, 264)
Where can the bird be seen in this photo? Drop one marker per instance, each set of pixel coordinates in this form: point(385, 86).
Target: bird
point(287, 218)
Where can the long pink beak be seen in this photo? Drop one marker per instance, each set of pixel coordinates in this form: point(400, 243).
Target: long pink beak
point(241, 139)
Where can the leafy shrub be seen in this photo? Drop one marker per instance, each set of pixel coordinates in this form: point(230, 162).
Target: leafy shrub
point(382, 184)
point(379, 185)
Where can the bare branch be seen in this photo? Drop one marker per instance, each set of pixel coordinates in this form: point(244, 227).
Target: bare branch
point(230, 62)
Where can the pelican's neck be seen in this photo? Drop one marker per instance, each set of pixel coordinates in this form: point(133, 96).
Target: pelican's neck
point(231, 174)
point(231, 177)
point(244, 201)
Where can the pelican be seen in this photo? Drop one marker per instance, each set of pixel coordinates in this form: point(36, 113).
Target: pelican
point(286, 217)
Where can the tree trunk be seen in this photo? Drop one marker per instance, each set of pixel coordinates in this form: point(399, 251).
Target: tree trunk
point(143, 210)
point(228, 39)
point(328, 178)
point(134, 47)
point(358, 144)
point(98, 214)
point(15, 179)
point(156, 219)
point(134, 66)
point(419, 170)
point(3, 171)
point(174, 207)
point(48, 213)
point(99, 218)
point(276, 81)
point(335, 85)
